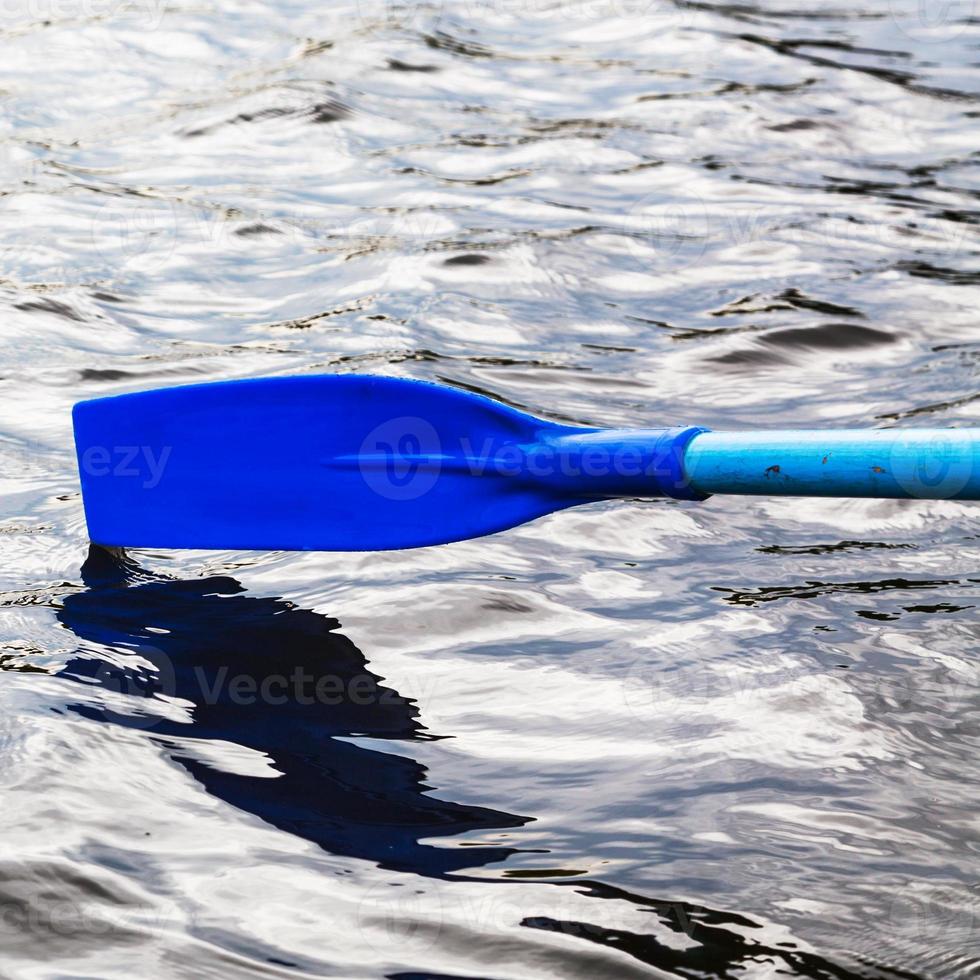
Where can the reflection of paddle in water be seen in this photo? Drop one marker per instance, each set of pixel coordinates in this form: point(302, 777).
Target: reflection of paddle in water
point(266, 675)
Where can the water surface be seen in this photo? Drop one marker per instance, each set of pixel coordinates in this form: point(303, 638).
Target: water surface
point(731, 739)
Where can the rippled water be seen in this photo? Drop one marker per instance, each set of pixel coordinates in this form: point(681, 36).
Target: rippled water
point(656, 739)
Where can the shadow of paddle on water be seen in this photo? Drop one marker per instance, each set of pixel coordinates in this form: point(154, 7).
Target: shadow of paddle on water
point(264, 674)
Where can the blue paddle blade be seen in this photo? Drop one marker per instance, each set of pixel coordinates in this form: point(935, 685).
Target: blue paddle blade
point(344, 463)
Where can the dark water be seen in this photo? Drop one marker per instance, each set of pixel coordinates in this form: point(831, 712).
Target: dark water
point(734, 739)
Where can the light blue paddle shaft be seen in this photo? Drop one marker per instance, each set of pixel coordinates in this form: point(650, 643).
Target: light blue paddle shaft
point(924, 463)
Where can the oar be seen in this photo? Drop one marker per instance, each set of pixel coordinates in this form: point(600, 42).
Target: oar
point(345, 463)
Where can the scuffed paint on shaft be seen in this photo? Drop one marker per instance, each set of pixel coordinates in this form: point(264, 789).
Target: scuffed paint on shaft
point(934, 464)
